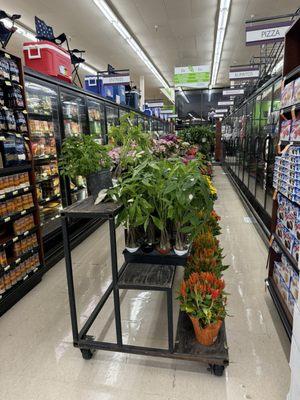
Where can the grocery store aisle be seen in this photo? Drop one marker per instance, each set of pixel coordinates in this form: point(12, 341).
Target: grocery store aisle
point(38, 361)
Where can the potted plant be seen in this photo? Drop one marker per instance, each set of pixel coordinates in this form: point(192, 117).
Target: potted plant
point(189, 193)
point(206, 255)
point(136, 209)
point(81, 155)
point(203, 298)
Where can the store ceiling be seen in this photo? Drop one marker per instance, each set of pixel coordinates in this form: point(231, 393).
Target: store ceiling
point(173, 32)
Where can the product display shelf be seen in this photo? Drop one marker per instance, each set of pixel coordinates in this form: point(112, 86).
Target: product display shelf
point(21, 255)
point(141, 276)
point(284, 260)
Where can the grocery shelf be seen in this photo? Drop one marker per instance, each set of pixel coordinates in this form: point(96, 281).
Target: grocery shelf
point(291, 259)
point(15, 170)
point(44, 159)
point(282, 309)
point(47, 178)
point(16, 192)
point(48, 199)
point(288, 109)
point(41, 117)
point(20, 289)
point(17, 215)
point(21, 258)
point(14, 239)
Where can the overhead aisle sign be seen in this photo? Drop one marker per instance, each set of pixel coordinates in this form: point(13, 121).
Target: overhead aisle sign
point(244, 72)
point(197, 76)
point(226, 103)
point(267, 33)
point(233, 92)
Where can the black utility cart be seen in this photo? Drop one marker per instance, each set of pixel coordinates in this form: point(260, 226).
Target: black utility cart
point(151, 272)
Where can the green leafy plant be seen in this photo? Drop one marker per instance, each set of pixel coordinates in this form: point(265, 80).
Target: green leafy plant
point(82, 156)
point(200, 135)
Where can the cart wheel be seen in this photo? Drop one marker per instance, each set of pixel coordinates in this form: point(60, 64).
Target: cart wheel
point(86, 354)
point(217, 370)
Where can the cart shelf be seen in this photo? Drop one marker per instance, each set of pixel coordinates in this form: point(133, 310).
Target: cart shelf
point(155, 257)
point(147, 276)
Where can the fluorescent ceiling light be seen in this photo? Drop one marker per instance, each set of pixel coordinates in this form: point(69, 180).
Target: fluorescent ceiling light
point(222, 23)
point(183, 94)
point(118, 25)
point(88, 69)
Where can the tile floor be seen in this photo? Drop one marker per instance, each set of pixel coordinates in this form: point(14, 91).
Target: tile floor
point(38, 361)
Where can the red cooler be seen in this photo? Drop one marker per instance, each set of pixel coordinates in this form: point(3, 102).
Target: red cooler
point(48, 58)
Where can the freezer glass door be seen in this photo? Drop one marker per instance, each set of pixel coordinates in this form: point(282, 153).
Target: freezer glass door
point(74, 116)
point(42, 102)
point(96, 114)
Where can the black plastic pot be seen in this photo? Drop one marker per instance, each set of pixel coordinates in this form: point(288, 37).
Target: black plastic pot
point(147, 247)
point(98, 181)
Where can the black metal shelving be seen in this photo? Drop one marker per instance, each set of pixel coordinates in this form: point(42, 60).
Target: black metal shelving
point(156, 275)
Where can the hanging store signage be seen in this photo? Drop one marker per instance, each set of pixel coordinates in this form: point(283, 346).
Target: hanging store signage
point(233, 92)
point(226, 103)
point(154, 103)
point(173, 116)
point(245, 72)
point(221, 110)
point(267, 33)
point(197, 76)
point(170, 111)
point(116, 79)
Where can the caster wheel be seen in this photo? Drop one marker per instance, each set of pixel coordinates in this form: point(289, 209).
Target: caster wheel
point(217, 370)
point(86, 354)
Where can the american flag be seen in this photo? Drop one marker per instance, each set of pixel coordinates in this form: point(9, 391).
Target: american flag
point(43, 30)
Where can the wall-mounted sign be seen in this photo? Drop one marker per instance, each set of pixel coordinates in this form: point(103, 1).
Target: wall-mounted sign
point(226, 103)
point(267, 33)
point(221, 110)
point(116, 79)
point(197, 76)
point(243, 73)
point(233, 92)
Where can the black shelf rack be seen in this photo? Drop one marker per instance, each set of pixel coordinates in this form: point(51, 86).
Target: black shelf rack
point(156, 275)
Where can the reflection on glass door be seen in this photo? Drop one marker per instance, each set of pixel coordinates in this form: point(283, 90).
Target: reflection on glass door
point(265, 111)
point(96, 114)
point(75, 123)
point(272, 144)
point(45, 140)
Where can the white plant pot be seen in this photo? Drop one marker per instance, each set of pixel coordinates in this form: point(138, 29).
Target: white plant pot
point(181, 252)
point(132, 249)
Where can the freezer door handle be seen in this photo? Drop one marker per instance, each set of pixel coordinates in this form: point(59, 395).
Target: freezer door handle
point(266, 154)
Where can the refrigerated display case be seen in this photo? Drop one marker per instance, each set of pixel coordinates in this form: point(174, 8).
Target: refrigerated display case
point(43, 106)
point(250, 151)
point(96, 115)
point(75, 122)
point(112, 116)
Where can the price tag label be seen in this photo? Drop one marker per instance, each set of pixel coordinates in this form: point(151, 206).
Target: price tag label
point(2, 138)
point(18, 260)
point(18, 135)
point(7, 268)
point(47, 199)
point(26, 233)
point(15, 192)
point(7, 55)
point(7, 219)
point(35, 269)
point(7, 83)
point(23, 212)
point(25, 277)
point(26, 189)
point(15, 239)
point(25, 112)
point(2, 196)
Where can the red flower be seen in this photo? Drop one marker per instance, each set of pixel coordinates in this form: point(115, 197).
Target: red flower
point(215, 294)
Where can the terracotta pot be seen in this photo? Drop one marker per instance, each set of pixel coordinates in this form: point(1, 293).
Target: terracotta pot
point(209, 334)
point(163, 250)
